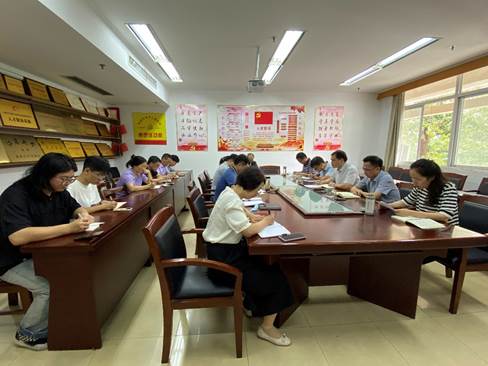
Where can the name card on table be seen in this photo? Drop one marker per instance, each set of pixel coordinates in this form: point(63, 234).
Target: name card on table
point(14, 85)
point(52, 145)
point(21, 148)
point(90, 149)
point(74, 149)
point(58, 96)
point(37, 89)
point(14, 114)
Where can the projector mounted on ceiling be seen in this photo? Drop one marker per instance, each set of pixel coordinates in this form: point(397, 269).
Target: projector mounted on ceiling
point(256, 85)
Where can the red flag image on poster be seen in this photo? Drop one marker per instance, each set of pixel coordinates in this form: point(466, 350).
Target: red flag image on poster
point(263, 118)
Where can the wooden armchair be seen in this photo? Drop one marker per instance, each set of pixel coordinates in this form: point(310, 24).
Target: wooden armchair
point(395, 172)
point(206, 187)
point(270, 169)
point(472, 216)
point(14, 292)
point(482, 188)
point(200, 212)
point(457, 179)
point(184, 282)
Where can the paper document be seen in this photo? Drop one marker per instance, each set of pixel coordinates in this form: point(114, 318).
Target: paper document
point(248, 203)
point(273, 230)
point(346, 195)
point(119, 205)
point(120, 208)
point(157, 186)
point(93, 226)
point(313, 186)
point(424, 224)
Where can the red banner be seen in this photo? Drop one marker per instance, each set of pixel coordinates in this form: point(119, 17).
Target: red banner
point(263, 118)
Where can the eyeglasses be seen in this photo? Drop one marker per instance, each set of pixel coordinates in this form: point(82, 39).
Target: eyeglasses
point(67, 179)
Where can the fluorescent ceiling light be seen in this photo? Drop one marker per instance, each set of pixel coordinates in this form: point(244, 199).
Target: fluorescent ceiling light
point(148, 40)
point(414, 47)
point(287, 44)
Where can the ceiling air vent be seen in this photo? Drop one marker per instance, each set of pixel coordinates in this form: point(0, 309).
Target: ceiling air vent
point(87, 85)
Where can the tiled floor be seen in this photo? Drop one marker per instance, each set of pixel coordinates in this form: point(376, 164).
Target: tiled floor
point(331, 328)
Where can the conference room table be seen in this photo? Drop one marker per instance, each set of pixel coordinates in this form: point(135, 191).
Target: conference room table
point(87, 278)
point(378, 259)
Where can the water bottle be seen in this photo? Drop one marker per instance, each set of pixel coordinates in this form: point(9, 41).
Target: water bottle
point(267, 185)
point(284, 171)
point(369, 206)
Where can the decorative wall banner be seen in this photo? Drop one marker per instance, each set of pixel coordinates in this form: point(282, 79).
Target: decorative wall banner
point(328, 128)
point(14, 114)
point(191, 127)
point(149, 128)
point(261, 128)
point(74, 149)
point(21, 149)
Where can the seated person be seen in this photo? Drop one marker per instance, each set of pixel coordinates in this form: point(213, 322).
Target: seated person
point(84, 189)
point(322, 170)
point(228, 161)
point(306, 162)
point(266, 289)
point(164, 169)
point(345, 175)
point(174, 159)
point(252, 162)
point(136, 177)
point(153, 165)
point(432, 196)
point(37, 207)
point(230, 175)
point(376, 181)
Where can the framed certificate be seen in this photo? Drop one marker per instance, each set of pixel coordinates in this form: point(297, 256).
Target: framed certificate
point(14, 114)
point(37, 89)
point(14, 85)
point(58, 96)
point(52, 145)
point(90, 149)
point(74, 149)
point(75, 102)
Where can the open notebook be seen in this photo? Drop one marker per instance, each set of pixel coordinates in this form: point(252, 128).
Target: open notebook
point(346, 195)
point(275, 229)
point(424, 224)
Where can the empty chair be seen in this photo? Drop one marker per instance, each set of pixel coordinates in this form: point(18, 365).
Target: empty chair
point(270, 169)
point(482, 188)
point(472, 216)
point(206, 188)
point(395, 172)
point(183, 281)
point(457, 179)
point(200, 212)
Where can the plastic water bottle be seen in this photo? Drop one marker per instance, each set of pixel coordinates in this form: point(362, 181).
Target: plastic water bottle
point(369, 206)
point(284, 171)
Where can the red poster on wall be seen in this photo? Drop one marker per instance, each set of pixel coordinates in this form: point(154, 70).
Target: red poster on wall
point(263, 118)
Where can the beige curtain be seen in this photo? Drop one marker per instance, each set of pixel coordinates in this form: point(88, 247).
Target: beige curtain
point(394, 131)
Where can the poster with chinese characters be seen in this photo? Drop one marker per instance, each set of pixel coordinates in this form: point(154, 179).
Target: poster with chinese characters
point(191, 125)
point(149, 128)
point(260, 127)
point(328, 128)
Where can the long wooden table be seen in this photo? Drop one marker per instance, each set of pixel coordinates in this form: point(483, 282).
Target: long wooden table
point(87, 279)
point(379, 260)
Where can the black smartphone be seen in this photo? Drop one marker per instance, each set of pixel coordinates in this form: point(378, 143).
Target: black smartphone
point(88, 235)
point(291, 237)
point(269, 207)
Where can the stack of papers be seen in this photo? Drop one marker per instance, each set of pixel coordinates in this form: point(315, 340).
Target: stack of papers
point(273, 230)
point(120, 208)
point(312, 186)
point(157, 186)
point(252, 201)
point(93, 226)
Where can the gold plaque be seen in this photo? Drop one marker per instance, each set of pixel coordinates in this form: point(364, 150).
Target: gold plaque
point(73, 126)
point(14, 114)
point(74, 149)
point(2, 83)
point(101, 111)
point(21, 148)
point(58, 96)
point(52, 145)
point(14, 85)
point(104, 149)
point(89, 128)
point(90, 149)
point(103, 130)
point(37, 89)
point(75, 102)
point(89, 106)
point(3, 154)
point(50, 122)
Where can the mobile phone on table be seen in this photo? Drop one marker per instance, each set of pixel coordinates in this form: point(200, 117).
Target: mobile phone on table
point(291, 237)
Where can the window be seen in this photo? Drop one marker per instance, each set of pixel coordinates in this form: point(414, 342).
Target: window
point(447, 121)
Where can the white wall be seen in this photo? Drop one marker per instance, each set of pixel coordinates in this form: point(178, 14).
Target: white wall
point(365, 126)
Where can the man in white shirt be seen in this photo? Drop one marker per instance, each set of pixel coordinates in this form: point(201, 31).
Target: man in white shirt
point(345, 175)
point(84, 189)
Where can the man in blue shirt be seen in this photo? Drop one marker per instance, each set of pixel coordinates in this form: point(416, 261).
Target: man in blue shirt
point(321, 168)
point(241, 162)
point(305, 161)
point(376, 181)
point(227, 162)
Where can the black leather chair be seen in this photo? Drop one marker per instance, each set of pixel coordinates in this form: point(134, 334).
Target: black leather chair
point(457, 179)
point(473, 216)
point(395, 172)
point(200, 212)
point(183, 281)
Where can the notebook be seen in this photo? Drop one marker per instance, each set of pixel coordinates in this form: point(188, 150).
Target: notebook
point(273, 230)
point(346, 195)
point(424, 224)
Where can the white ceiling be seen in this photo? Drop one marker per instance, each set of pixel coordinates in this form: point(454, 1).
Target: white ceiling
point(212, 42)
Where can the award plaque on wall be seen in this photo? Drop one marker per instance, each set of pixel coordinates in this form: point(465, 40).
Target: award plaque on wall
point(103, 130)
point(14, 114)
point(3, 154)
point(36, 89)
point(2, 83)
point(75, 102)
point(101, 111)
point(89, 106)
point(74, 126)
point(50, 122)
point(58, 96)
point(14, 85)
point(104, 150)
point(90, 149)
point(74, 149)
point(21, 149)
point(52, 145)
point(89, 128)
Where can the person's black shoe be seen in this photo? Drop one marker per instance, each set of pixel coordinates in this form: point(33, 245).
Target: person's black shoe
point(39, 344)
